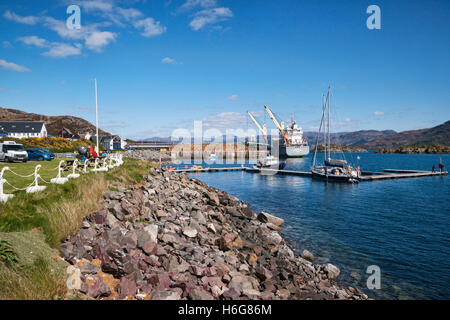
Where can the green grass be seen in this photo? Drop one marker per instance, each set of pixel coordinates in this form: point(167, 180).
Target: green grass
point(59, 209)
point(7, 253)
point(47, 171)
point(34, 224)
point(38, 272)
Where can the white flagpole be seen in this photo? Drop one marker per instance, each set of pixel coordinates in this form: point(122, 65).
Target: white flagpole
point(96, 117)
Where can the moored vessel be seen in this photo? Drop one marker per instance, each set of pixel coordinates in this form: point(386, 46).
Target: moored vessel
point(333, 170)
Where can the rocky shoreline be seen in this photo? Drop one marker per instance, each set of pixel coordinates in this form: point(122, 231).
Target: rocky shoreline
point(175, 237)
point(416, 150)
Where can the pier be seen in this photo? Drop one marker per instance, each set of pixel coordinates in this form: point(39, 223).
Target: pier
point(366, 175)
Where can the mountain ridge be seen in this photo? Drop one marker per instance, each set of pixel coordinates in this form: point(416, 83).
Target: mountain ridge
point(53, 123)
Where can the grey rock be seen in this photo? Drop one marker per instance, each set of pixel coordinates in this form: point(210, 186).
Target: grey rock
point(332, 271)
point(200, 294)
point(265, 217)
point(307, 255)
point(190, 232)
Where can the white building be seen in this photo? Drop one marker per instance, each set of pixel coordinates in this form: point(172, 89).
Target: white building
point(110, 142)
point(23, 129)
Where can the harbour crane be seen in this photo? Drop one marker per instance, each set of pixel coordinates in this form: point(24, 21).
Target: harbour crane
point(262, 128)
point(275, 121)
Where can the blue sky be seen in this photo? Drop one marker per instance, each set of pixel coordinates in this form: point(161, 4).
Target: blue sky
point(161, 65)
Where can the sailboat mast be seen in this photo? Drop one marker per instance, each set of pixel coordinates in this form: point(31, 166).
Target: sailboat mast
point(329, 136)
point(96, 117)
point(325, 140)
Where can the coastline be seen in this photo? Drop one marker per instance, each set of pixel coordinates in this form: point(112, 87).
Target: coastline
point(174, 237)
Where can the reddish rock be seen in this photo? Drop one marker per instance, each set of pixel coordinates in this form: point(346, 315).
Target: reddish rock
point(231, 294)
point(129, 208)
point(150, 248)
point(100, 217)
point(252, 259)
point(98, 288)
point(263, 273)
point(126, 288)
point(196, 270)
point(200, 294)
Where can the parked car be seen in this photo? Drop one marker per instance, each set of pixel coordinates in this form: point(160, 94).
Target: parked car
point(11, 151)
point(39, 154)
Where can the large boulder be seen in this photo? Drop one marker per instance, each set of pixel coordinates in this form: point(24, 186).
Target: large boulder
point(332, 271)
point(268, 218)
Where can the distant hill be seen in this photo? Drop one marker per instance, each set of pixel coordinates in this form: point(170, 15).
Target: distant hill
point(351, 138)
point(53, 123)
point(436, 135)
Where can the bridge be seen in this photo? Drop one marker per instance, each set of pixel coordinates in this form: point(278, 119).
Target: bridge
point(150, 145)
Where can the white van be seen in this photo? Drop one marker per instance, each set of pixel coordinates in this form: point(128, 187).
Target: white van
point(11, 151)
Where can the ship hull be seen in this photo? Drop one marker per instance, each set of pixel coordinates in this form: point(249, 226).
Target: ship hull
point(294, 151)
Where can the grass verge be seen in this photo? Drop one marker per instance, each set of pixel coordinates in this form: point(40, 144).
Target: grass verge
point(53, 214)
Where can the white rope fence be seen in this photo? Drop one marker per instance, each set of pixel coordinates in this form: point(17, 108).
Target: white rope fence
point(107, 163)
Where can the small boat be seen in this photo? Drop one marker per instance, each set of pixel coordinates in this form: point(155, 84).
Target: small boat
point(213, 157)
point(333, 170)
point(270, 162)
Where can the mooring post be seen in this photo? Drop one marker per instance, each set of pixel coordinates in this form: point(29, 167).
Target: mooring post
point(36, 186)
point(4, 197)
point(59, 179)
point(74, 167)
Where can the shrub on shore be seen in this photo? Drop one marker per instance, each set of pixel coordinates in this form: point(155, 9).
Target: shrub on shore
point(53, 144)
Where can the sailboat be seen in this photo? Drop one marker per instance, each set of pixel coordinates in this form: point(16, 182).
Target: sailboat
point(333, 170)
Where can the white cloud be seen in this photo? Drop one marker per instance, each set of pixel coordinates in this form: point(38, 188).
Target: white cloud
point(378, 113)
point(34, 41)
point(55, 49)
point(190, 4)
point(169, 61)
point(210, 16)
point(61, 29)
point(233, 97)
point(151, 28)
point(6, 44)
point(226, 120)
point(13, 66)
point(62, 50)
point(9, 15)
point(348, 122)
point(98, 39)
point(94, 39)
point(92, 5)
point(118, 15)
point(130, 14)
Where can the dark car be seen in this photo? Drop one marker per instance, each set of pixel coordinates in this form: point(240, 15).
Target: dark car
point(39, 154)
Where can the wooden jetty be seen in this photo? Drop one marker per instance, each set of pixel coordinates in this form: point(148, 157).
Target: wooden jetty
point(400, 174)
point(193, 170)
point(366, 175)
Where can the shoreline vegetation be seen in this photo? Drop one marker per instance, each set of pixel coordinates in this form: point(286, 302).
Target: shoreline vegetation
point(53, 144)
point(33, 225)
point(417, 149)
point(141, 232)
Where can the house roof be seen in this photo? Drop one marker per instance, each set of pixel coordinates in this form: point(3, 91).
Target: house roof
point(67, 130)
point(103, 139)
point(21, 126)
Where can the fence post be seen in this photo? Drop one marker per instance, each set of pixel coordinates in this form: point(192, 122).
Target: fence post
point(36, 186)
point(4, 197)
point(59, 179)
point(85, 165)
point(105, 166)
point(74, 167)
